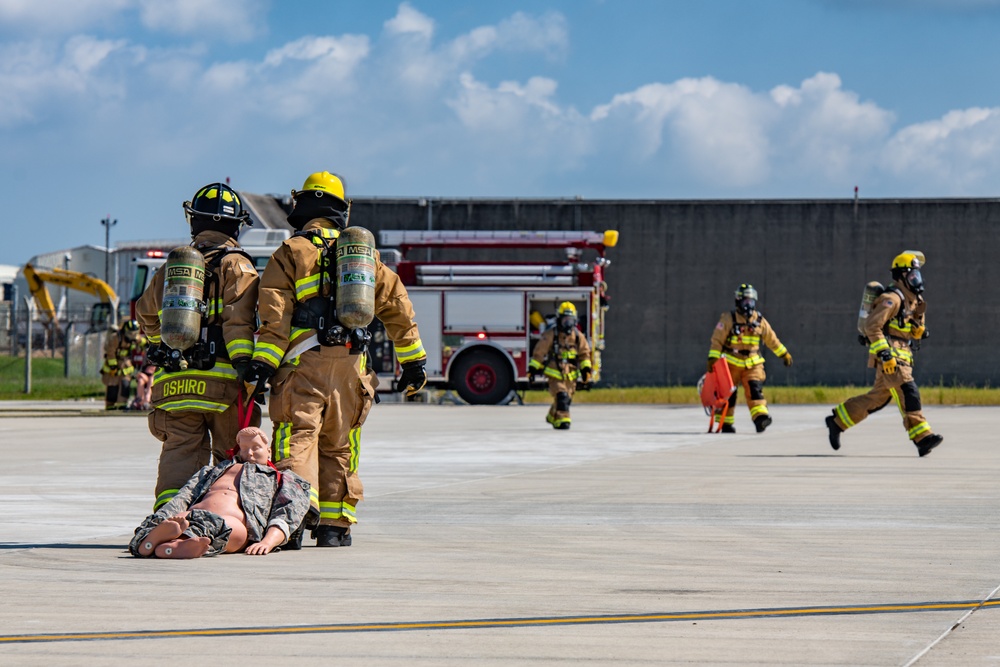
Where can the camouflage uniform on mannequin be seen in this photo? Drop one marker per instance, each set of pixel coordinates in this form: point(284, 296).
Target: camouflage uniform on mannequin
point(322, 386)
point(895, 322)
point(195, 412)
point(738, 335)
point(117, 371)
point(563, 356)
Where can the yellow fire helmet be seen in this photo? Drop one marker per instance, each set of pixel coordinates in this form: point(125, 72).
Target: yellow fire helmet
point(322, 196)
point(909, 259)
point(567, 308)
point(327, 182)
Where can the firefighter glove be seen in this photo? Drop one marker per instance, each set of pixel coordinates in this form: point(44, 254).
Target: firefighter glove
point(787, 358)
point(585, 374)
point(257, 372)
point(888, 362)
point(710, 366)
point(413, 378)
point(240, 367)
point(919, 332)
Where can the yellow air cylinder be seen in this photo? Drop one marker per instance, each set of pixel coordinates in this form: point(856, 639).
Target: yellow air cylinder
point(872, 291)
point(183, 294)
point(355, 277)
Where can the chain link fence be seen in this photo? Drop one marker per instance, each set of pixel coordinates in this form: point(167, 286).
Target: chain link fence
point(76, 339)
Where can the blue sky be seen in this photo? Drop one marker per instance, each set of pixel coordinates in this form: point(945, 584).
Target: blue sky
point(126, 107)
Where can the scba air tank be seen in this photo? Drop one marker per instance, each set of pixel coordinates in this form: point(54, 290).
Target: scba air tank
point(872, 291)
point(183, 294)
point(355, 277)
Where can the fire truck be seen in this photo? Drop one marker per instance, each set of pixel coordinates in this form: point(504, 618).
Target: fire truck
point(480, 320)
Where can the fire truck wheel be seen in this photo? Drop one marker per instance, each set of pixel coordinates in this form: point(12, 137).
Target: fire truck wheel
point(482, 378)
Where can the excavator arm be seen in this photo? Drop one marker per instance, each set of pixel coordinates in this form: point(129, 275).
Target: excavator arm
point(37, 279)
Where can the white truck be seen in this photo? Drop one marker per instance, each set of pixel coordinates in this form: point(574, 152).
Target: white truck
point(258, 243)
point(479, 320)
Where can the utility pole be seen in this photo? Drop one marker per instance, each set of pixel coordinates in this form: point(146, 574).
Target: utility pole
point(108, 224)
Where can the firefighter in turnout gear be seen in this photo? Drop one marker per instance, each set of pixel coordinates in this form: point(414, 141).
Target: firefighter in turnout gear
point(196, 411)
point(322, 384)
point(738, 336)
point(892, 329)
point(120, 345)
point(562, 355)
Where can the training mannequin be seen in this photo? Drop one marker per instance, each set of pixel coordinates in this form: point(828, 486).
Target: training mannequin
point(223, 508)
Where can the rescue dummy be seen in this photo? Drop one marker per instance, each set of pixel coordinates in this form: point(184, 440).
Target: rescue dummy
point(312, 349)
point(120, 345)
point(562, 355)
point(241, 504)
point(195, 390)
point(738, 337)
point(891, 331)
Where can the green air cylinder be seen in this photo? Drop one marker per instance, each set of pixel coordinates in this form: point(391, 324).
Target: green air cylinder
point(183, 293)
point(872, 291)
point(355, 277)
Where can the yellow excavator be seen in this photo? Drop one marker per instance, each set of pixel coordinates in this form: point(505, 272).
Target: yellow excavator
point(101, 312)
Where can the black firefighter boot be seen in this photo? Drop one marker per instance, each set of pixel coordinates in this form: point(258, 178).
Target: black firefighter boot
point(835, 432)
point(925, 446)
point(761, 422)
point(332, 536)
point(294, 542)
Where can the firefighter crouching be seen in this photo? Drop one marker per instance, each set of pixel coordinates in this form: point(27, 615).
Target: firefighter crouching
point(738, 335)
point(195, 390)
point(120, 345)
point(562, 355)
point(895, 322)
point(322, 385)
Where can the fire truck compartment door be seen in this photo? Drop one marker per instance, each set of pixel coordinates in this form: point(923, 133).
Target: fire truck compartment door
point(489, 311)
point(427, 311)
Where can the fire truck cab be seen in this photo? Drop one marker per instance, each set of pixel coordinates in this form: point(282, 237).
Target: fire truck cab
point(480, 320)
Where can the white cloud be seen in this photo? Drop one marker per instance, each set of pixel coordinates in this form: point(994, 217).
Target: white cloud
point(827, 130)
point(226, 20)
point(718, 128)
point(959, 152)
point(56, 16)
point(409, 21)
point(36, 78)
point(421, 66)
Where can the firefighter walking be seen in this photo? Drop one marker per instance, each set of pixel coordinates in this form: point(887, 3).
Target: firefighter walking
point(738, 336)
point(895, 323)
point(322, 386)
point(196, 390)
point(562, 355)
point(117, 371)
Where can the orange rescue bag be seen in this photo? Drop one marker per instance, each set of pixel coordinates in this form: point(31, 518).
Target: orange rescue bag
point(716, 388)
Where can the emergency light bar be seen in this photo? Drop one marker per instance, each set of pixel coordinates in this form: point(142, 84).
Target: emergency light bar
point(407, 239)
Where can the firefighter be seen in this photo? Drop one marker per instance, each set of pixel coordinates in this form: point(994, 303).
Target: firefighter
point(738, 335)
point(195, 407)
point(895, 322)
point(117, 371)
point(562, 355)
point(322, 384)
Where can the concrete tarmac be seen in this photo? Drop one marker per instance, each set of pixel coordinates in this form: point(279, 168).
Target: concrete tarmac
point(487, 538)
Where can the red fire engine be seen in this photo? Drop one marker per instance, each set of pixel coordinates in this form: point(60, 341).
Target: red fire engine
point(479, 320)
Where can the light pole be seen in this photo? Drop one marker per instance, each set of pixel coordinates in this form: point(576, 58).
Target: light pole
point(108, 224)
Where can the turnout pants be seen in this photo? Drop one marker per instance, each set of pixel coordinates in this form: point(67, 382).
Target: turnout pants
point(752, 381)
point(318, 407)
point(191, 439)
point(561, 392)
point(898, 387)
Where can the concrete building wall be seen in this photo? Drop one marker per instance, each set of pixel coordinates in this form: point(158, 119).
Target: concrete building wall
point(678, 262)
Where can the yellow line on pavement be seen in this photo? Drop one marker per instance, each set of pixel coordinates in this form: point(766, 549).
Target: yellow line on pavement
point(506, 622)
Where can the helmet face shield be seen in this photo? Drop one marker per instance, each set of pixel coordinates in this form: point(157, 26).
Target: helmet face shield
point(746, 299)
point(914, 281)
